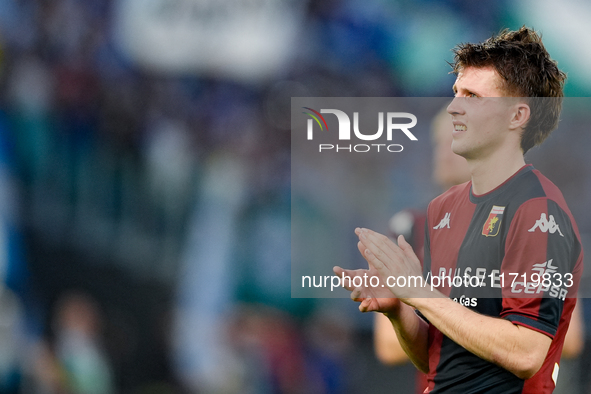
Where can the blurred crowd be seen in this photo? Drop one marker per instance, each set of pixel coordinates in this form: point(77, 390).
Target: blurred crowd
point(145, 213)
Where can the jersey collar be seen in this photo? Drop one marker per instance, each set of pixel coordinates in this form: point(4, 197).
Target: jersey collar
point(478, 198)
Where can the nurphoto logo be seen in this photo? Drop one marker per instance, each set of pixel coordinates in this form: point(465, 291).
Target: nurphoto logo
point(394, 122)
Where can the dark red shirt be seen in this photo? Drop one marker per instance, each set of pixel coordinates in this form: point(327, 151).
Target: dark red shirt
point(522, 248)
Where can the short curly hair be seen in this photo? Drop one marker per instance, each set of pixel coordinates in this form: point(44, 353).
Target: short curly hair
point(527, 70)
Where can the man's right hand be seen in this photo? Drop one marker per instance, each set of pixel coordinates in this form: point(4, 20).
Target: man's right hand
point(371, 299)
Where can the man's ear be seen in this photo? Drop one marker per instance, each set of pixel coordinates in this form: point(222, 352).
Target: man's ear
point(520, 116)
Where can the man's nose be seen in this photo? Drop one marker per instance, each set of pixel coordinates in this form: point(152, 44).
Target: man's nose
point(456, 107)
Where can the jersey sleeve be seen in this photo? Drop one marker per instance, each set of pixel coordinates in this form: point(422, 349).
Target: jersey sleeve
point(541, 265)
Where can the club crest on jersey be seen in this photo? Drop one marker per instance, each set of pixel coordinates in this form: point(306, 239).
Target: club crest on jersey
point(493, 223)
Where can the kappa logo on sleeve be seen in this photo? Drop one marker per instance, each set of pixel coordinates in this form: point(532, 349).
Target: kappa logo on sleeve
point(444, 222)
point(546, 224)
point(493, 223)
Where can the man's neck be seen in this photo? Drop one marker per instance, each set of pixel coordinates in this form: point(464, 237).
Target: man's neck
point(492, 172)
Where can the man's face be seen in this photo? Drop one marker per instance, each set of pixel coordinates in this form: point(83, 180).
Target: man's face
point(479, 115)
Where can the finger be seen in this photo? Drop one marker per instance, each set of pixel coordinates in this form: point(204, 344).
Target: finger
point(369, 244)
point(357, 294)
point(402, 242)
point(367, 255)
point(377, 251)
point(407, 249)
point(384, 243)
point(348, 276)
point(377, 262)
point(400, 260)
point(365, 305)
point(361, 247)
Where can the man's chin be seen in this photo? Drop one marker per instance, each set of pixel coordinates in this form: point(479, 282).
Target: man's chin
point(459, 150)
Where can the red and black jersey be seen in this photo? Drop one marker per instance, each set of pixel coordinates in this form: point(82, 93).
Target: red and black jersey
point(520, 245)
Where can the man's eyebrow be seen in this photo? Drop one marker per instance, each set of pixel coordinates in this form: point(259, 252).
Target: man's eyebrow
point(455, 88)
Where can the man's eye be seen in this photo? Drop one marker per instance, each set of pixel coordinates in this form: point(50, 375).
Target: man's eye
point(472, 95)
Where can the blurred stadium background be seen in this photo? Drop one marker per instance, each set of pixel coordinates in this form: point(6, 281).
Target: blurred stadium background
point(145, 183)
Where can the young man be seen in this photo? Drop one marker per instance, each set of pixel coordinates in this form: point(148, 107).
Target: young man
point(509, 219)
